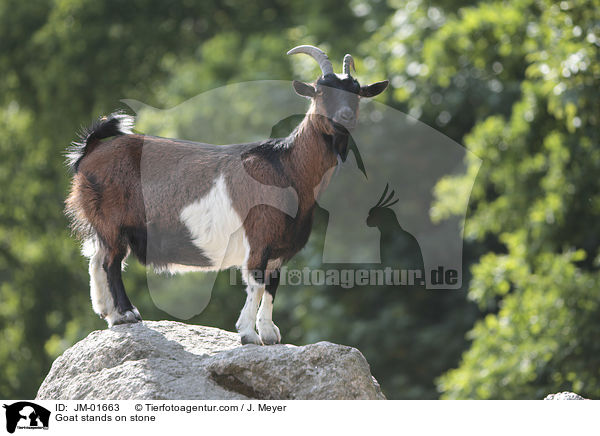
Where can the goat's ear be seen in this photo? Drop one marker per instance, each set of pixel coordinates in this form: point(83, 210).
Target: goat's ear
point(304, 89)
point(373, 89)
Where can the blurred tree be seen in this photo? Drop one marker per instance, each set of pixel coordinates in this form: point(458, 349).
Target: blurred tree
point(538, 195)
point(522, 78)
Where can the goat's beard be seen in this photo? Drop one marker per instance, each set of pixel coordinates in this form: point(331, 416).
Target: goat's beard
point(340, 143)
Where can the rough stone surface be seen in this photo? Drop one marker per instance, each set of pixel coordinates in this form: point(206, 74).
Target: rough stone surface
point(564, 396)
point(170, 360)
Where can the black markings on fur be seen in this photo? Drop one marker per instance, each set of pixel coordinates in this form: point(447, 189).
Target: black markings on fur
point(115, 284)
point(103, 127)
point(270, 151)
point(259, 274)
point(337, 143)
point(300, 228)
point(137, 239)
point(273, 283)
point(349, 84)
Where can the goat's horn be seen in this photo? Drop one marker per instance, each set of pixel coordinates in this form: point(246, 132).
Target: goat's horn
point(348, 63)
point(318, 55)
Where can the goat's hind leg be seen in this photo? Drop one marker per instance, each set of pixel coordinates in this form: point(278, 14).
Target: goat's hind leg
point(102, 300)
point(123, 311)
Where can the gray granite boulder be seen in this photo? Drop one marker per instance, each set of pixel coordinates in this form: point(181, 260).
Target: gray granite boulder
point(170, 360)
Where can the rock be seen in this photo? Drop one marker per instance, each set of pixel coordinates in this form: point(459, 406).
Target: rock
point(564, 396)
point(170, 360)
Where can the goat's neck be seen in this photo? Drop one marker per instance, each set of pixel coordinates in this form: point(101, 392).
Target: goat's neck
point(313, 156)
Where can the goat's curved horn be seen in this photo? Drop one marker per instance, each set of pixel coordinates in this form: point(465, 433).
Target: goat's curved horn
point(348, 63)
point(318, 55)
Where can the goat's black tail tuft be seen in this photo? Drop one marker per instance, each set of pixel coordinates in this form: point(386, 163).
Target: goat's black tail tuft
point(113, 125)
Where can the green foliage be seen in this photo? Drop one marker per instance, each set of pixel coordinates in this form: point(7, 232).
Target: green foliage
point(516, 82)
point(541, 339)
point(533, 205)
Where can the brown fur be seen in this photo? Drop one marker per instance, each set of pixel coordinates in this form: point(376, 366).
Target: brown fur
point(108, 197)
point(271, 233)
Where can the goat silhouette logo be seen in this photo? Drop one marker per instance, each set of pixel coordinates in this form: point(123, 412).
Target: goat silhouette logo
point(26, 415)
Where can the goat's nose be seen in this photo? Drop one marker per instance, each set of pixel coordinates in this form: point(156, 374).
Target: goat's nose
point(346, 114)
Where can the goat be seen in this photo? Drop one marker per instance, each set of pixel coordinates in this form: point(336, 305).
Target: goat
point(204, 216)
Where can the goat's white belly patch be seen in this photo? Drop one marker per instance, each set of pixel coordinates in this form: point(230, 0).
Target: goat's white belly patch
point(216, 228)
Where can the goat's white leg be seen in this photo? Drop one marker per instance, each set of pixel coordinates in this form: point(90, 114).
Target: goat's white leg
point(267, 330)
point(102, 300)
point(247, 320)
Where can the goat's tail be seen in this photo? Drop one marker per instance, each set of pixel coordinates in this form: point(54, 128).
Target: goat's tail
point(115, 124)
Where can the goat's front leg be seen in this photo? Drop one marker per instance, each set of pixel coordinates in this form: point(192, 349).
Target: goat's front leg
point(267, 330)
point(247, 320)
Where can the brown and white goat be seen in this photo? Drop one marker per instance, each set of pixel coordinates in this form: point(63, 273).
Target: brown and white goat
point(204, 215)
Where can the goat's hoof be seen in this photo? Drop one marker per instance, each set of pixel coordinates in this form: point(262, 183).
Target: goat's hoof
point(250, 338)
point(136, 313)
point(268, 332)
point(129, 317)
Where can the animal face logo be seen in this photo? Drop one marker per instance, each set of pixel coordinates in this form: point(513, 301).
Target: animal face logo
point(26, 415)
